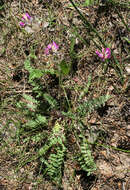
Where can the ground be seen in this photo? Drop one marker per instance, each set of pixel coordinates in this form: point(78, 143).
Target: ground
point(107, 128)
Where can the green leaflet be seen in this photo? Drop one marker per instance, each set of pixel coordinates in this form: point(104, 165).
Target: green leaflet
point(64, 67)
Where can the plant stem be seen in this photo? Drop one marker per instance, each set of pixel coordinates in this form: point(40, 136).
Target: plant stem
point(88, 24)
point(122, 19)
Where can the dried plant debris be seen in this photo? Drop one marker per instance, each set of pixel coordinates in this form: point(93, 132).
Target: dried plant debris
point(64, 95)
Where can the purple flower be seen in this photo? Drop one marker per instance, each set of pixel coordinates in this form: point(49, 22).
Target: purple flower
point(26, 19)
point(22, 24)
point(53, 47)
point(26, 16)
point(105, 54)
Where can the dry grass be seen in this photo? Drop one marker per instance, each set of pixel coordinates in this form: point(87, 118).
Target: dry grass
point(108, 124)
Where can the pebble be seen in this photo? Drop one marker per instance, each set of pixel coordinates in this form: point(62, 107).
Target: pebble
point(128, 127)
point(105, 168)
point(128, 133)
point(127, 68)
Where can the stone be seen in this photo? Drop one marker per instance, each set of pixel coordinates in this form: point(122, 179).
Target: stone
point(105, 168)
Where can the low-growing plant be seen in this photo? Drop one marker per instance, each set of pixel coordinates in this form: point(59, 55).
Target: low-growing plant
point(85, 158)
point(91, 31)
point(48, 119)
point(51, 141)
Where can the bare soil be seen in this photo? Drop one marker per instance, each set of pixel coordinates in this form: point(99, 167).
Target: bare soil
point(110, 124)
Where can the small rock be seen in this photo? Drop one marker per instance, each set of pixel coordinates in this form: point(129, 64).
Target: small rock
point(128, 133)
point(105, 168)
point(128, 127)
point(127, 68)
point(120, 172)
point(93, 134)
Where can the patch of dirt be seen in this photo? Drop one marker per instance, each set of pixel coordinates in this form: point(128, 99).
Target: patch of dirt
point(110, 124)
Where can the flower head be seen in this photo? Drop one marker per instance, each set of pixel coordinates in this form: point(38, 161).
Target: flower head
point(22, 24)
point(105, 54)
point(51, 47)
point(26, 16)
point(26, 19)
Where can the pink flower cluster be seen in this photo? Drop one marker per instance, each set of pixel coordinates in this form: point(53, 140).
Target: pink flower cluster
point(105, 54)
point(26, 19)
point(53, 47)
